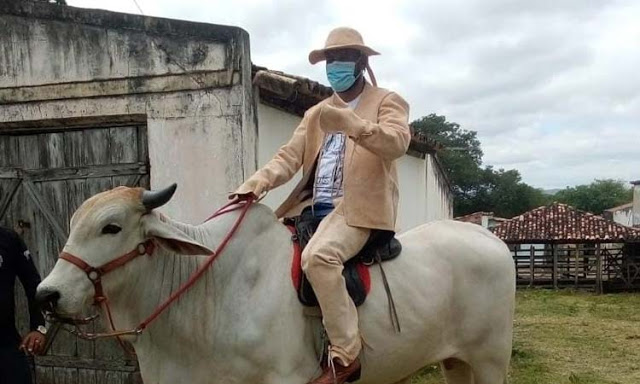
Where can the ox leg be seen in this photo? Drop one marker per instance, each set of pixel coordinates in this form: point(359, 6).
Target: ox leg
point(490, 372)
point(457, 372)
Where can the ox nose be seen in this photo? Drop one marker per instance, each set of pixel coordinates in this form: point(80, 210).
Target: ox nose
point(47, 298)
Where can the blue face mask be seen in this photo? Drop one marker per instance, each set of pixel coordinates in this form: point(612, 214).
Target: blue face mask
point(341, 75)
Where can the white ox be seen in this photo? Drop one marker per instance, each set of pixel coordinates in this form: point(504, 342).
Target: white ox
point(453, 287)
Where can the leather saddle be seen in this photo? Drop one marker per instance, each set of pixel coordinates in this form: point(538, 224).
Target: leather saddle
point(381, 246)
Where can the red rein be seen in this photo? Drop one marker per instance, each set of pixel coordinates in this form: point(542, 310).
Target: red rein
point(95, 273)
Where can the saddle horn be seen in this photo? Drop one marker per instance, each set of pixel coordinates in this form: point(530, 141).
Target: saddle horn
point(154, 199)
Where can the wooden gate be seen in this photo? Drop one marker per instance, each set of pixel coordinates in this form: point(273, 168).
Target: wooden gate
point(45, 174)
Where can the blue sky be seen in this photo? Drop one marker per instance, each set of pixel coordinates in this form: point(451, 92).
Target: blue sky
point(551, 86)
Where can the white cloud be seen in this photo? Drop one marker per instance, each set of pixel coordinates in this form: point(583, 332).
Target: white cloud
point(552, 87)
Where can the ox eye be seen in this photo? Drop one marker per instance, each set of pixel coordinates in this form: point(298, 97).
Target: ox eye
point(111, 229)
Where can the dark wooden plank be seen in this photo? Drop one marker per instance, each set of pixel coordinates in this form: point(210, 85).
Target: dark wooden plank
point(81, 172)
point(96, 146)
point(51, 150)
point(5, 155)
point(71, 123)
point(29, 152)
point(10, 173)
point(65, 375)
point(124, 145)
point(144, 181)
point(126, 181)
point(87, 376)
point(8, 189)
point(143, 144)
point(74, 154)
point(46, 209)
point(10, 155)
point(83, 363)
point(109, 377)
point(132, 378)
point(44, 375)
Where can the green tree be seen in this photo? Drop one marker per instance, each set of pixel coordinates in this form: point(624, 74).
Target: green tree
point(597, 196)
point(476, 188)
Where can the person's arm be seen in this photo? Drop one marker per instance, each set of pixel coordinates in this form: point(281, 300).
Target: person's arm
point(29, 277)
point(281, 168)
point(389, 138)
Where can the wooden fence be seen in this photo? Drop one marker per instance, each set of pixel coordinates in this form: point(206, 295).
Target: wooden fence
point(598, 266)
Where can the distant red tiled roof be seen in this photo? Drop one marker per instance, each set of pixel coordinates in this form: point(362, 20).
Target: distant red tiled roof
point(562, 223)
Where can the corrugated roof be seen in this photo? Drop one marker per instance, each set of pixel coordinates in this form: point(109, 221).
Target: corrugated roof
point(561, 223)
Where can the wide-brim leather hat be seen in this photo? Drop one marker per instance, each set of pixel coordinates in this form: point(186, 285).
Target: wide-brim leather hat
point(341, 38)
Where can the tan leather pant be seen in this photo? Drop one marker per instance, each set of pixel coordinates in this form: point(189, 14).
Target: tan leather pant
point(322, 261)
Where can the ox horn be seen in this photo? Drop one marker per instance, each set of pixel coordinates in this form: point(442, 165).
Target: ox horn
point(154, 199)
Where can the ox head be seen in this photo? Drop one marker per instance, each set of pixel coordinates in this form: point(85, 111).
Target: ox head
point(105, 227)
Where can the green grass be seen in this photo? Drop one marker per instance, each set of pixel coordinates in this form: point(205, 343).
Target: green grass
point(569, 337)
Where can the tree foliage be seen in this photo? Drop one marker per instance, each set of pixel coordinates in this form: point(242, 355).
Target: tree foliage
point(476, 188)
point(597, 196)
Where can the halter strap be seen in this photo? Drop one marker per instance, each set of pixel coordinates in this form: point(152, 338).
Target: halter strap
point(95, 273)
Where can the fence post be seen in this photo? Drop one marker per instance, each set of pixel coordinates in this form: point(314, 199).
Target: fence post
point(575, 268)
point(554, 255)
point(532, 254)
point(598, 270)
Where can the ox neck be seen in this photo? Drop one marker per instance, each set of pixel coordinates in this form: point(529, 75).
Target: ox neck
point(233, 288)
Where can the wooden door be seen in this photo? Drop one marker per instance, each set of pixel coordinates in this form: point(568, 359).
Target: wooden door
point(45, 174)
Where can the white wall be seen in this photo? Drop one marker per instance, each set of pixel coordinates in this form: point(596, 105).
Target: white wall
point(275, 128)
point(422, 197)
point(412, 209)
point(624, 217)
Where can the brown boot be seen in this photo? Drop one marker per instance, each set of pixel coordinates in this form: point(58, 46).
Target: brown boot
point(342, 375)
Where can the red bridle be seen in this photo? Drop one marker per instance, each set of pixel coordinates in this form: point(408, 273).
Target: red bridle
point(95, 274)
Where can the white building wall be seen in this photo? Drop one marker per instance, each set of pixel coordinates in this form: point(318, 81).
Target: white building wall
point(275, 128)
point(422, 197)
point(624, 217)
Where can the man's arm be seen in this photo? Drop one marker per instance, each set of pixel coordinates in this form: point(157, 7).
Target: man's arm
point(389, 138)
point(281, 168)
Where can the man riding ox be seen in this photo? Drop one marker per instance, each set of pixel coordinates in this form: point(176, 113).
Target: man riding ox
point(347, 146)
point(212, 303)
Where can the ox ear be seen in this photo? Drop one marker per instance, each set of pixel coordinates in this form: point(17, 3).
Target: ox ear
point(171, 237)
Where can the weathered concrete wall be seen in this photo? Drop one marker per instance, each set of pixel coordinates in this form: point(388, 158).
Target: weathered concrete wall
point(192, 81)
point(424, 193)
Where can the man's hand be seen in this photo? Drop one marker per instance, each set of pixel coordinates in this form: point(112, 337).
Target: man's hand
point(333, 120)
point(33, 343)
point(252, 188)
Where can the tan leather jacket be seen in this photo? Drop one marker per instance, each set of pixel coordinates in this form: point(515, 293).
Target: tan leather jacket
point(378, 136)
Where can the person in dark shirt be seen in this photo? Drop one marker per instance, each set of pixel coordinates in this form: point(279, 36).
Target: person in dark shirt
point(15, 261)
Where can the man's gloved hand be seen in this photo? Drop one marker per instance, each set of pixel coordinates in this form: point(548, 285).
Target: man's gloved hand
point(333, 120)
point(254, 187)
